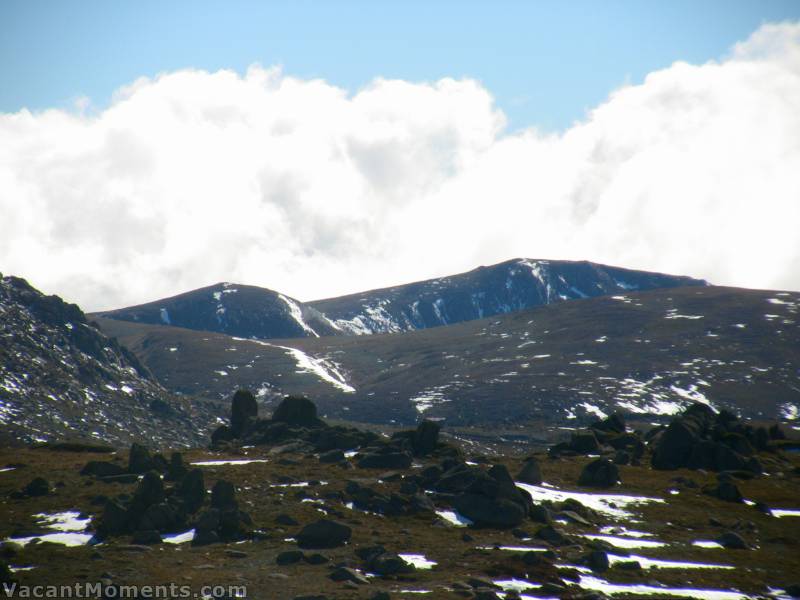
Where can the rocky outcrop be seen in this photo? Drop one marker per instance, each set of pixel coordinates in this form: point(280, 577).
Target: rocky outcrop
point(701, 439)
point(599, 473)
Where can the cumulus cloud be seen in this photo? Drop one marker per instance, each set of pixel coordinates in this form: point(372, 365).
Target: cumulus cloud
point(194, 177)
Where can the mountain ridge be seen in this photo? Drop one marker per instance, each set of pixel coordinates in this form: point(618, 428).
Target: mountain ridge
point(516, 284)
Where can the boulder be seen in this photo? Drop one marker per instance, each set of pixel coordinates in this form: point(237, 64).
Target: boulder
point(297, 411)
point(674, 446)
point(243, 408)
point(192, 490)
point(425, 438)
point(492, 499)
point(553, 536)
point(584, 442)
point(149, 491)
point(726, 490)
point(530, 472)
point(324, 533)
point(388, 564)
point(347, 574)
point(732, 541)
point(597, 560)
point(599, 473)
point(139, 460)
point(177, 468)
point(289, 557)
point(388, 460)
point(223, 495)
point(614, 423)
point(221, 434)
point(114, 520)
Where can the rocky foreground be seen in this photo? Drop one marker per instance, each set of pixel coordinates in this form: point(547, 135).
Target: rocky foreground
point(292, 507)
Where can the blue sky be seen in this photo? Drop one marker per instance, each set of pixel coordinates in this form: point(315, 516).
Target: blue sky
point(546, 63)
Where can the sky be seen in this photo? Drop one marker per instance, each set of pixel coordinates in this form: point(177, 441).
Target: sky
point(322, 148)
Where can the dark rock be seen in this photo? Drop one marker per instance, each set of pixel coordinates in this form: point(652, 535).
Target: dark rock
point(223, 495)
point(114, 520)
point(324, 534)
point(389, 460)
point(162, 517)
point(289, 557)
point(614, 423)
point(541, 514)
point(597, 561)
point(223, 433)
point(728, 491)
point(674, 446)
point(387, 564)
point(584, 442)
point(298, 411)
point(140, 460)
point(492, 499)
point(316, 558)
point(177, 468)
point(425, 438)
point(733, 541)
point(102, 468)
point(530, 472)
point(243, 408)
point(599, 473)
point(347, 574)
point(192, 490)
point(553, 536)
point(38, 486)
point(149, 491)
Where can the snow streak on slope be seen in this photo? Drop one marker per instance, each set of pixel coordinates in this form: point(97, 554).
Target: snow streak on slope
point(325, 369)
point(297, 315)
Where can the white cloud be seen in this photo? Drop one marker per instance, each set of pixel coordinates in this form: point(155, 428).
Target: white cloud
point(194, 177)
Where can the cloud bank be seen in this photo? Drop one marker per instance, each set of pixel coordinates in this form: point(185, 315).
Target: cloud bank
point(193, 177)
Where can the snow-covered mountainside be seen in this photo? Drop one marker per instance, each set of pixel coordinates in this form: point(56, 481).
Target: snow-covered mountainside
point(648, 354)
point(484, 292)
point(60, 378)
point(252, 312)
point(238, 310)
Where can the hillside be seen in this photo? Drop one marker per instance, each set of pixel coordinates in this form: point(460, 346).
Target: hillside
point(253, 312)
point(240, 310)
point(60, 377)
point(645, 353)
point(484, 292)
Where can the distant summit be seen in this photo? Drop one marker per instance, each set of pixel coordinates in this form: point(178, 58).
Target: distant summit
point(253, 312)
point(233, 309)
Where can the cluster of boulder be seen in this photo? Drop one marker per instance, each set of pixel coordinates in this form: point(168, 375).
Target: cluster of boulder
point(155, 509)
point(609, 437)
point(699, 438)
point(295, 426)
